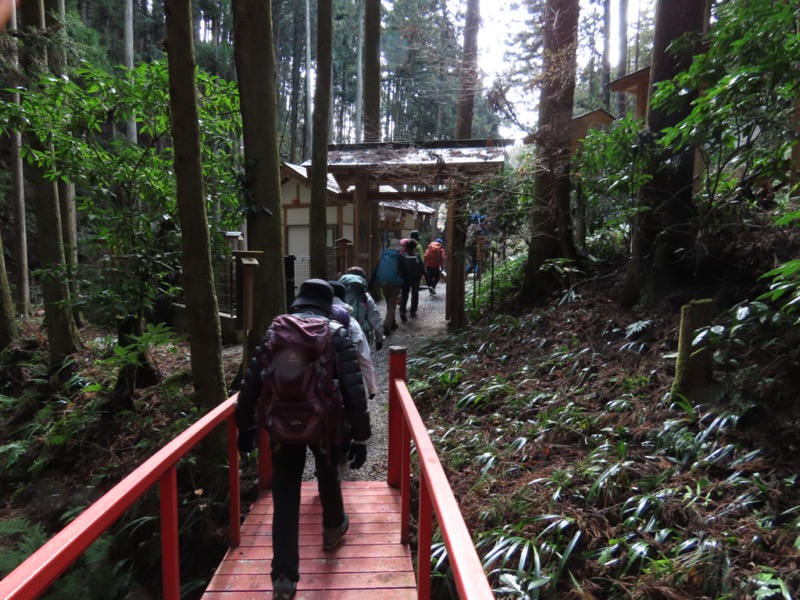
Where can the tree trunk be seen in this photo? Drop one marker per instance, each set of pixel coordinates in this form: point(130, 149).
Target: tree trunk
point(309, 98)
point(319, 151)
point(132, 376)
point(202, 314)
point(469, 71)
point(8, 324)
point(551, 224)
point(257, 75)
point(56, 16)
point(606, 54)
point(458, 218)
point(23, 292)
point(296, 96)
point(622, 66)
point(62, 333)
point(662, 238)
point(372, 70)
point(359, 116)
point(128, 34)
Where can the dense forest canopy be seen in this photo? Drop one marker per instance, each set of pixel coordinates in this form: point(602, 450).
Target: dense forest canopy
point(591, 461)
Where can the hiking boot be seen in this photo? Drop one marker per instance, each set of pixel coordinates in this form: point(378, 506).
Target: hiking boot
point(431, 290)
point(413, 315)
point(331, 536)
point(403, 317)
point(283, 588)
point(394, 326)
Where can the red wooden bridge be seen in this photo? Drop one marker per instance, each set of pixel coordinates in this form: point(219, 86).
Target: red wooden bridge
point(373, 559)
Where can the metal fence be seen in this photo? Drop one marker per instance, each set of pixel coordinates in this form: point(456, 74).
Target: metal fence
point(297, 270)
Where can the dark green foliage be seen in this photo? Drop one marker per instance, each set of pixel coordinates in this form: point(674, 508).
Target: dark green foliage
point(127, 197)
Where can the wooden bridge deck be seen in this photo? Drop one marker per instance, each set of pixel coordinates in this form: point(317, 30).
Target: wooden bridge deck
point(370, 562)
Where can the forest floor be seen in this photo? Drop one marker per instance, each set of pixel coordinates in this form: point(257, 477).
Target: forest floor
point(532, 394)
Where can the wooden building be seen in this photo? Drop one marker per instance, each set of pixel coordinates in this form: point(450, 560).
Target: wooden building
point(397, 217)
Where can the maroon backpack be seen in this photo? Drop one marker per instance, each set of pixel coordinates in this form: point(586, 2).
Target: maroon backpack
point(300, 399)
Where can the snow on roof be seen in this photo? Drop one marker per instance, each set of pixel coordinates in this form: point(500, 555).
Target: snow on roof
point(409, 205)
point(332, 186)
point(410, 155)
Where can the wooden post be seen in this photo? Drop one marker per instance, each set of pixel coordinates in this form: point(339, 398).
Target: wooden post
point(693, 371)
point(249, 266)
point(397, 370)
point(456, 257)
point(362, 221)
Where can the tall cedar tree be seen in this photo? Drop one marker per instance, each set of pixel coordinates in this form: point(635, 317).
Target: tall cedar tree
point(456, 210)
point(372, 70)
point(202, 313)
point(62, 333)
point(8, 324)
point(622, 65)
point(257, 76)
point(55, 16)
point(319, 146)
point(551, 225)
point(662, 238)
point(371, 104)
point(21, 277)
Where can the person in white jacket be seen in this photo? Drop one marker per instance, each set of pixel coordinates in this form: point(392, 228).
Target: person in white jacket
point(341, 313)
point(373, 313)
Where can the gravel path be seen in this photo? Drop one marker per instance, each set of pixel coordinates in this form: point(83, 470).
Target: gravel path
point(429, 323)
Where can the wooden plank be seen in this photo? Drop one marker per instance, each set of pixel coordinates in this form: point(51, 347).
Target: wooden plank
point(316, 518)
point(355, 529)
point(264, 552)
point(370, 562)
point(316, 581)
point(393, 594)
point(314, 540)
point(394, 564)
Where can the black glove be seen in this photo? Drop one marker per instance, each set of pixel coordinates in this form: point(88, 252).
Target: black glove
point(372, 396)
point(246, 441)
point(358, 455)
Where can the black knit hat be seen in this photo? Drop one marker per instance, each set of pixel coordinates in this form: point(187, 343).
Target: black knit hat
point(414, 235)
point(316, 293)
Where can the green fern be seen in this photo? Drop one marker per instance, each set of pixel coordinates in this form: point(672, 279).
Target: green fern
point(20, 538)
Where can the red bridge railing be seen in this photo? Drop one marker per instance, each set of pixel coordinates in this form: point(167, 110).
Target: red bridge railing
point(435, 494)
point(34, 575)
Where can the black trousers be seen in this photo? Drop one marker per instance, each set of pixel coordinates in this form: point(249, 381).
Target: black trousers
point(288, 463)
point(433, 276)
point(413, 289)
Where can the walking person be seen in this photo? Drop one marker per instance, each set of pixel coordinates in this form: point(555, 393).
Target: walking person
point(365, 309)
point(414, 235)
point(411, 268)
point(433, 259)
point(387, 275)
point(343, 313)
point(304, 403)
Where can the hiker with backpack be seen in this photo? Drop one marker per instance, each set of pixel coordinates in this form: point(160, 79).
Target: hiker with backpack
point(387, 275)
point(306, 382)
point(365, 309)
point(342, 312)
point(411, 268)
point(414, 235)
point(433, 259)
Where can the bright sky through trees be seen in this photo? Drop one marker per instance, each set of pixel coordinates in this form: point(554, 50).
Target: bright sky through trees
point(503, 19)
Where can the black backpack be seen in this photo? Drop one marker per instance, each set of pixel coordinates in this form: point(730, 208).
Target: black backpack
point(300, 399)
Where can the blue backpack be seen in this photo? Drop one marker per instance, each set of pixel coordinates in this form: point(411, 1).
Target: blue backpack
point(388, 272)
